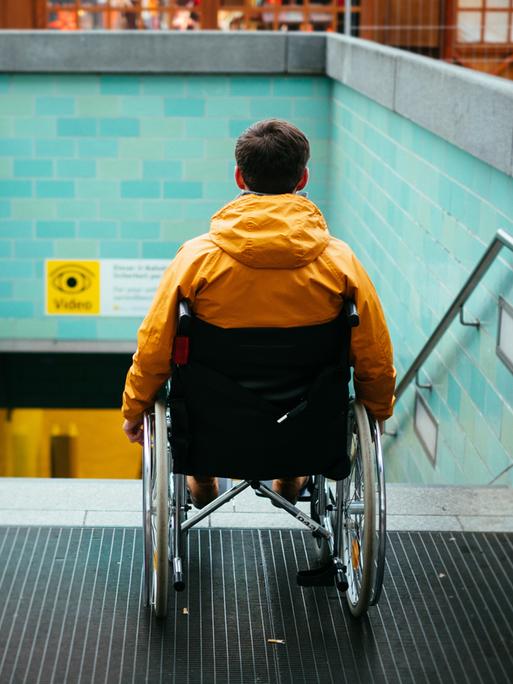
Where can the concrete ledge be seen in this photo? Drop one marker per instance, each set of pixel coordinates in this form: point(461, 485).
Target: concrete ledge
point(366, 67)
point(471, 110)
point(306, 53)
point(72, 346)
point(209, 52)
point(468, 109)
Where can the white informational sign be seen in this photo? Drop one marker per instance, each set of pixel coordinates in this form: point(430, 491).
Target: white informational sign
point(127, 286)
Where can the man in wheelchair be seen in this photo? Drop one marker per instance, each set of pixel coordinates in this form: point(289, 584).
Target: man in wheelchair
point(267, 262)
point(260, 355)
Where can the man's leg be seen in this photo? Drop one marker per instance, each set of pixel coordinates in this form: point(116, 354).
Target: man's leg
point(203, 489)
point(289, 487)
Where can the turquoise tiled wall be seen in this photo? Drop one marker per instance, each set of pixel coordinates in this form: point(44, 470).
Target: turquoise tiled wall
point(125, 167)
point(419, 213)
point(129, 167)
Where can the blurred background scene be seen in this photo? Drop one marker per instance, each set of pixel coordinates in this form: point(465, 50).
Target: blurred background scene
point(473, 33)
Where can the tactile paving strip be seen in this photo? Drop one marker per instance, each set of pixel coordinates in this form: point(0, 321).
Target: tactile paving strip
point(71, 611)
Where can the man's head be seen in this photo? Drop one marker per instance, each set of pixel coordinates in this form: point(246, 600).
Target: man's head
point(271, 157)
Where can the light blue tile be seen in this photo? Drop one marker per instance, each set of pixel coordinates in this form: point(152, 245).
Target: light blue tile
point(76, 168)
point(120, 85)
point(294, 86)
point(310, 107)
point(98, 148)
point(206, 128)
point(55, 106)
point(251, 86)
point(34, 127)
point(271, 107)
point(15, 309)
point(55, 148)
point(76, 249)
point(119, 250)
point(33, 168)
point(76, 209)
point(141, 189)
point(207, 86)
point(162, 169)
point(453, 395)
point(120, 209)
point(184, 106)
point(55, 189)
point(142, 106)
point(55, 229)
point(6, 248)
point(33, 249)
point(77, 328)
point(16, 268)
point(5, 289)
point(238, 126)
point(228, 107)
point(165, 86)
point(97, 229)
point(119, 128)
point(15, 188)
point(77, 127)
point(183, 190)
point(118, 328)
point(162, 210)
point(97, 189)
point(140, 230)
point(16, 229)
point(15, 148)
point(190, 148)
point(160, 250)
point(76, 84)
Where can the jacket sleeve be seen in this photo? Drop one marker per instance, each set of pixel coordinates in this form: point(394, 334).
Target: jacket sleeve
point(371, 347)
point(151, 363)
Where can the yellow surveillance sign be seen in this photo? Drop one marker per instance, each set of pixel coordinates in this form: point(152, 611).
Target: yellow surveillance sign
point(72, 287)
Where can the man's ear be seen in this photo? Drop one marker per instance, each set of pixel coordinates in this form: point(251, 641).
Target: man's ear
point(239, 179)
point(303, 181)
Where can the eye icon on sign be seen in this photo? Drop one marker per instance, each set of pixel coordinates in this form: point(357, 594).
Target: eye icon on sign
point(72, 279)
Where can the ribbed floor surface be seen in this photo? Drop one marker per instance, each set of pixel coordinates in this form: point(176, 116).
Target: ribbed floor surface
point(70, 611)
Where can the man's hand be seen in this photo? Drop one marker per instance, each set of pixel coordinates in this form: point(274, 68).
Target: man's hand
point(133, 429)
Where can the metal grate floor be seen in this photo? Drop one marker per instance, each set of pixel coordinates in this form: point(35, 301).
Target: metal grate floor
point(70, 611)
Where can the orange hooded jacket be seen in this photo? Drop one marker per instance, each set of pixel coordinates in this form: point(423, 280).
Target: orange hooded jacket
point(268, 261)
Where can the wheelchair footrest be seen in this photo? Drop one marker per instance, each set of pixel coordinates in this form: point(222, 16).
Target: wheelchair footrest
point(324, 576)
point(317, 577)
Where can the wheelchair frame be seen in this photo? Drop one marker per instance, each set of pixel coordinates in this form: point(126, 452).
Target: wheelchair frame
point(348, 517)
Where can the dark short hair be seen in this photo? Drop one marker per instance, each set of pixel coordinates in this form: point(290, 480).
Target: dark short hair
point(272, 156)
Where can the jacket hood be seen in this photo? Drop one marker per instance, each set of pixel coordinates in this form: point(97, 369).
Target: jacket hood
point(270, 231)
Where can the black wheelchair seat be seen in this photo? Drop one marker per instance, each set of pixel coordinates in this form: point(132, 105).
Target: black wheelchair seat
point(260, 403)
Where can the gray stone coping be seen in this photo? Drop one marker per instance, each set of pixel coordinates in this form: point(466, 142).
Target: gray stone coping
point(204, 52)
point(471, 110)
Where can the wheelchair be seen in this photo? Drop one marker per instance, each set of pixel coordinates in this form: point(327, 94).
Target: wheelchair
point(347, 497)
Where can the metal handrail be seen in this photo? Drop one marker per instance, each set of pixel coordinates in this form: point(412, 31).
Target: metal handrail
point(501, 239)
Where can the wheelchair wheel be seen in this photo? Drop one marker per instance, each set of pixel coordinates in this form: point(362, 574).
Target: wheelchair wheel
point(361, 528)
point(156, 508)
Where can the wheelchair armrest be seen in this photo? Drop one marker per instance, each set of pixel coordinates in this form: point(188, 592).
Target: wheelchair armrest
point(184, 318)
point(351, 312)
